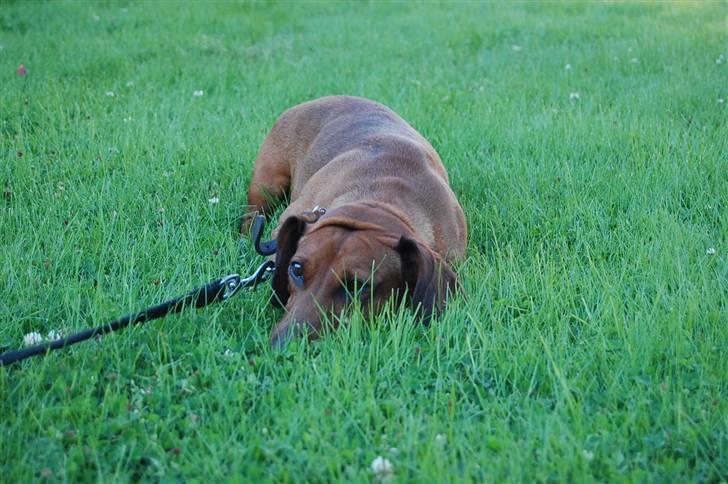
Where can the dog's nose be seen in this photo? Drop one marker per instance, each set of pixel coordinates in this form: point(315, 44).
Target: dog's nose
point(279, 341)
point(285, 332)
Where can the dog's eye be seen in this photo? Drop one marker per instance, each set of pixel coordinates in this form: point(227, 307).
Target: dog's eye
point(295, 270)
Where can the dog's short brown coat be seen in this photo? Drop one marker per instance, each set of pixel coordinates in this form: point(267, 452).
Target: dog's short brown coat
point(390, 213)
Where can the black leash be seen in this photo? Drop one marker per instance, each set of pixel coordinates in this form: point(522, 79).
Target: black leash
point(216, 291)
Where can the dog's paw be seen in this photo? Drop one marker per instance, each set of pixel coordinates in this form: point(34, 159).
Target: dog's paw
point(246, 222)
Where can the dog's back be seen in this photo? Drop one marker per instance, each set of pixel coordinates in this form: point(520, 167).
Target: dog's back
point(321, 130)
point(342, 149)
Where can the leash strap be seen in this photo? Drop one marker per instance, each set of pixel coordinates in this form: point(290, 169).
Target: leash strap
point(215, 291)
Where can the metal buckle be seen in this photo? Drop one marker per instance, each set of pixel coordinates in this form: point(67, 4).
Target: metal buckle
point(231, 284)
point(263, 272)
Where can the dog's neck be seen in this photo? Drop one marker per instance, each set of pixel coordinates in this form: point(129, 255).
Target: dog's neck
point(368, 215)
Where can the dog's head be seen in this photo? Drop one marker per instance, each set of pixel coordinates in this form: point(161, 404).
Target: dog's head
point(358, 251)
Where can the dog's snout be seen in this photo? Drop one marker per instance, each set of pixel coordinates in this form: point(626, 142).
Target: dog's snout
point(289, 329)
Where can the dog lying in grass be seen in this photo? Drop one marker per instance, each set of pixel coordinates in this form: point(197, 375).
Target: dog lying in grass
point(371, 213)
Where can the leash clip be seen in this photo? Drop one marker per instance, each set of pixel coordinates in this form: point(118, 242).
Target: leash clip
point(233, 283)
point(263, 272)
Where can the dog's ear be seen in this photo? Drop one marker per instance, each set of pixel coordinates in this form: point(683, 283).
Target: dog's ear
point(287, 242)
point(427, 277)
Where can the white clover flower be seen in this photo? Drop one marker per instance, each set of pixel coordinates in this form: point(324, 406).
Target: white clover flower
point(440, 439)
point(588, 455)
point(198, 93)
point(710, 251)
point(214, 200)
point(516, 48)
point(721, 100)
point(96, 18)
point(129, 83)
point(186, 387)
point(634, 60)
point(574, 95)
point(110, 94)
point(382, 469)
point(33, 338)
point(567, 67)
point(54, 335)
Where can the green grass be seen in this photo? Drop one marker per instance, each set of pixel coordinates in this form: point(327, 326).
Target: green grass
point(591, 344)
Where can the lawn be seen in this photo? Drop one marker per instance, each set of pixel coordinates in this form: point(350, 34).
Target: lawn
point(587, 143)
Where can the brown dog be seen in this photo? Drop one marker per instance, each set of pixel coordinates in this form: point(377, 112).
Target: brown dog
point(391, 223)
